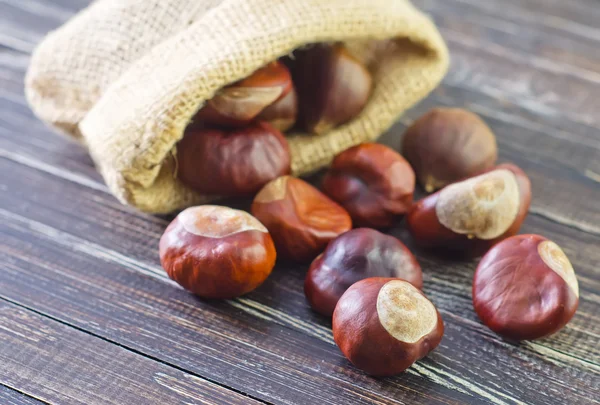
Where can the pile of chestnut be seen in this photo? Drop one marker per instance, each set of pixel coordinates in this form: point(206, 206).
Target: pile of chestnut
point(235, 144)
point(368, 282)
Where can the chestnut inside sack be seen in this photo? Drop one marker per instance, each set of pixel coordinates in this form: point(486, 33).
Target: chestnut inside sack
point(133, 112)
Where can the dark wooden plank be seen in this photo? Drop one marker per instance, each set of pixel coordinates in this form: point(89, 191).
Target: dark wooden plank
point(156, 309)
point(58, 364)
point(8, 396)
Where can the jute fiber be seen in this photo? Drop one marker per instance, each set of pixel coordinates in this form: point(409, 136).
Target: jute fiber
point(126, 76)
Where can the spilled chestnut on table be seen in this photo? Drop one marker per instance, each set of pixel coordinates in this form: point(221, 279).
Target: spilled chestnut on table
point(384, 325)
point(470, 216)
point(373, 183)
point(217, 252)
point(355, 255)
point(232, 162)
point(301, 219)
point(525, 288)
point(447, 145)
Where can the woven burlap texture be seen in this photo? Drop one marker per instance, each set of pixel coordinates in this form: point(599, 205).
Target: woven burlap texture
point(140, 112)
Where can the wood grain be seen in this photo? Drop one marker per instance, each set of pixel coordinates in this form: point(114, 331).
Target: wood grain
point(9, 396)
point(59, 364)
point(79, 264)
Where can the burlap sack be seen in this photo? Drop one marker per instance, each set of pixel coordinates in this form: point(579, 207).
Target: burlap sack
point(129, 74)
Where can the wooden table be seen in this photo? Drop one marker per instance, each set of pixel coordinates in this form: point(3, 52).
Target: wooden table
point(87, 315)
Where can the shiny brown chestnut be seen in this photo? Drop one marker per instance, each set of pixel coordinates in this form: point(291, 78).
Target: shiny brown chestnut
point(282, 113)
point(217, 252)
point(301, 219)
point(333, 86)
point(384, 325)
point(471, 216)
point(373, 182)
point(238, 104)
point(236, 162)
point(447, 145)
point(353, 256)
point(525, 288)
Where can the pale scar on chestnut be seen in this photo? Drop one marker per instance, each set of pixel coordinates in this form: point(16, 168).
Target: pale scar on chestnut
point(404, 312)
point(244, 101)
point(484, 206)
point(213, 221)
point(556, 259)
point(273, 191)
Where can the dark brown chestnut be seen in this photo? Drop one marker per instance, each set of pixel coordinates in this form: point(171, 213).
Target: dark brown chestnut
point(217, 252)
point(447, 145)
point(301, 219)
point(333, 86)
point(525, 288)
point(384, 325)
point(282, 113)
point(472, 215)
point(353, 256)
point(232, 163)
point(373, 182)
point(238, 104)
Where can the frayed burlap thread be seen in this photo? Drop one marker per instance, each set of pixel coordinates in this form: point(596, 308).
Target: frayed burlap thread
point(133, 128)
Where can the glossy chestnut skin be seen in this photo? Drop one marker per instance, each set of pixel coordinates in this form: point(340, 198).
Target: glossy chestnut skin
point(373, 182)
point(429, 231)
point(525, 288)
point(238, 104)
point(232, 163)
point(301, 219)
point(447, 145)
point(333, 86)
point(281, 114)
point(355, 255)
point(217, 252)
point(384, 325)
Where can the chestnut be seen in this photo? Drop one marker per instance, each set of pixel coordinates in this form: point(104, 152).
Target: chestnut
point(525, 288)
point(217, 252)
point(471, 216)
point(301, 219)
point(333, 86)
point(238, 104)
point(282, 113)
point(384, 325)
point(447, 145)
point(236, 162)
point(373, 182)
point(355, 255)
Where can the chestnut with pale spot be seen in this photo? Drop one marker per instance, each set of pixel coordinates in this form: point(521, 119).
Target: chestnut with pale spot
point(238, 104)
point(353, 256)
point(373, 182)
point(217, 252)
point(472, 215)
point(301, 219)
point(384, 325)
point(525, 288)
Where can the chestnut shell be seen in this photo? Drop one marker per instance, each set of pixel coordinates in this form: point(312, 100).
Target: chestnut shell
point(233, 163)
point(373, 182)
point(428, 232)
point(517, 295)
point(355, 255)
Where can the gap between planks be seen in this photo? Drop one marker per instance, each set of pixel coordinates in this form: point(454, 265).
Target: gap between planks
point(127, 348)
point(30, 398)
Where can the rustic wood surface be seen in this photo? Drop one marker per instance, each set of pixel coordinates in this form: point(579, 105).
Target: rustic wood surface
point(87, 316)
